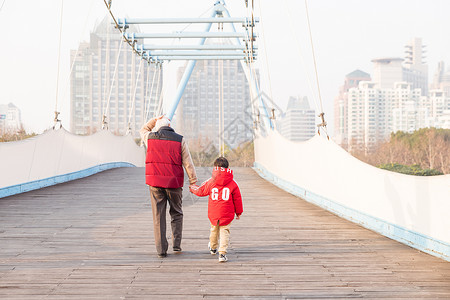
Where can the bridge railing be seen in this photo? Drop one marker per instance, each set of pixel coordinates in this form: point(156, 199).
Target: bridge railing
point(58, 156)
point(411, 209)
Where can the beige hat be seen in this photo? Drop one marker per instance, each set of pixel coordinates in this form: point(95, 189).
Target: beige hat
point(160, 123)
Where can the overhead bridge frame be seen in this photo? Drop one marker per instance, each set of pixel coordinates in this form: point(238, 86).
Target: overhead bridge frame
point(125, 21)
point(243, 49)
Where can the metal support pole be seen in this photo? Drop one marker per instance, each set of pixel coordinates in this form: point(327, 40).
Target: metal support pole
point(251, 79)
point(187, 74)
point(234, 57)
point(139, 21)
point(188, 35)
point(150, 47)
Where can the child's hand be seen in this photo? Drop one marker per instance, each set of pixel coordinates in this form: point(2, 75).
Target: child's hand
point(191, 187)
point(238, 217)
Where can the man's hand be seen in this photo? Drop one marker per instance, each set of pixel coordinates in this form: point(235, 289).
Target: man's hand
point(191, 187)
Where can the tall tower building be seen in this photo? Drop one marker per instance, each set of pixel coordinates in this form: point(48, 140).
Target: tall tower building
point(95, 79)
point(298, 121)
point(387, 71)
point(198, 111)
point(441, 79)
point(415, 70)
point(367, 116)
point(412, 69)
point(341, 105)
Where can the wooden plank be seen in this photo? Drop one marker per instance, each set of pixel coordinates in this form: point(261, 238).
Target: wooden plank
point(93, 239)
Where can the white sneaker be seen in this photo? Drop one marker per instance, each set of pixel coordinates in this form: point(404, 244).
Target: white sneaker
point(212, 251)
point(222, 258)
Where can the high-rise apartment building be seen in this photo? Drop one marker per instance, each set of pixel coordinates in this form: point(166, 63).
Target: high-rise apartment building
point(95, 79)
point(408, 112)
point(441, 79)
point(415, 69)
point(438, 105)
point(198, 114)
point(411, 69)
point(298, 122)
point(341, 105)
point(387, 71)
point(367, 117)
point(395, 99)
point(374, 113)
point(10, 118)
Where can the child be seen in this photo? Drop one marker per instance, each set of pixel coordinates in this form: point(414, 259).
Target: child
point(224, 202)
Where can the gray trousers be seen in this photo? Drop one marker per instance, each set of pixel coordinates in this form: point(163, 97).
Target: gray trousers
point(159, 199)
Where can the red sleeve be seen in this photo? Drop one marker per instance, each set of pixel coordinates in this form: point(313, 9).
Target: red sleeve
point(202, 190)
point(237, 200)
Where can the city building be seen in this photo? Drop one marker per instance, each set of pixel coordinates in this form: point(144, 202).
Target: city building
point(341, 105)
point(367, 111)
point(438, 105)
point(197, 115)
point(10, 118)
point(367, 116)
point(298, 122)
point(412, 69)
point(373, 113)
point(441, 79)
point(95, 79)
point(407, 107)
point(415, 69)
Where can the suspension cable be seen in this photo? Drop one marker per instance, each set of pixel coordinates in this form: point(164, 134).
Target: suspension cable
point(116, 67)
point(250, 64)
point(107, 63)
point(147, 88)
point(134, 97)
point(56, 120)
point(314, 55)
point(158, 110)
point(78, 48)
point(220, 98)
point(157, 95)
point(322, 113)
point(266, 58)
point(302, 59)
point(201, 15)
point(129, 42)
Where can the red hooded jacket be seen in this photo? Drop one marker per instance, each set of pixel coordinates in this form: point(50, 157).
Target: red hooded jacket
point(224, 196)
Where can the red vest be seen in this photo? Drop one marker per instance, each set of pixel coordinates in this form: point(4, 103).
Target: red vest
point(164, 162)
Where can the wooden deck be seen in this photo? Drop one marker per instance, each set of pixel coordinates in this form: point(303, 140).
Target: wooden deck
point(93, 239)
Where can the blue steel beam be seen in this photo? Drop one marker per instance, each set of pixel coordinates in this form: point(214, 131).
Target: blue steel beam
point(126, 21)
point(158, 58)
point(194, 53)
point(189, 35)
point(191, 47)
point(251, 78)
point(187, 72)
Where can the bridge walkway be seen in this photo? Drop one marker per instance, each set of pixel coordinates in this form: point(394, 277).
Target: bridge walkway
point(92, 239)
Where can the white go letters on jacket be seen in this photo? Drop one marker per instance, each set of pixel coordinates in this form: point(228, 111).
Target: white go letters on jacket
point(225, 194)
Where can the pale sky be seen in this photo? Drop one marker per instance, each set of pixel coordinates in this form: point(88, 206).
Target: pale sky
point(347, 35)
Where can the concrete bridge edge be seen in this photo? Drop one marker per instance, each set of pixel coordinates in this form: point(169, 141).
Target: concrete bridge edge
point(45, 182)
point(408, 237)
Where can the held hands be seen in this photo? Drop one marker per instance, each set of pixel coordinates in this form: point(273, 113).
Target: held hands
point(238, 217)
point(191, 187)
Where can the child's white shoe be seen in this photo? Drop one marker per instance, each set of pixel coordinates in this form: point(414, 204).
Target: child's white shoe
point(222, 258)
point(212, 251)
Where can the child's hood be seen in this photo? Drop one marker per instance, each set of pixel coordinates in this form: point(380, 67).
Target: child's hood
point(222, 176)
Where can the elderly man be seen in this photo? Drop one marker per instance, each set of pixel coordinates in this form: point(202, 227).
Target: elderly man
point(167, 154)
